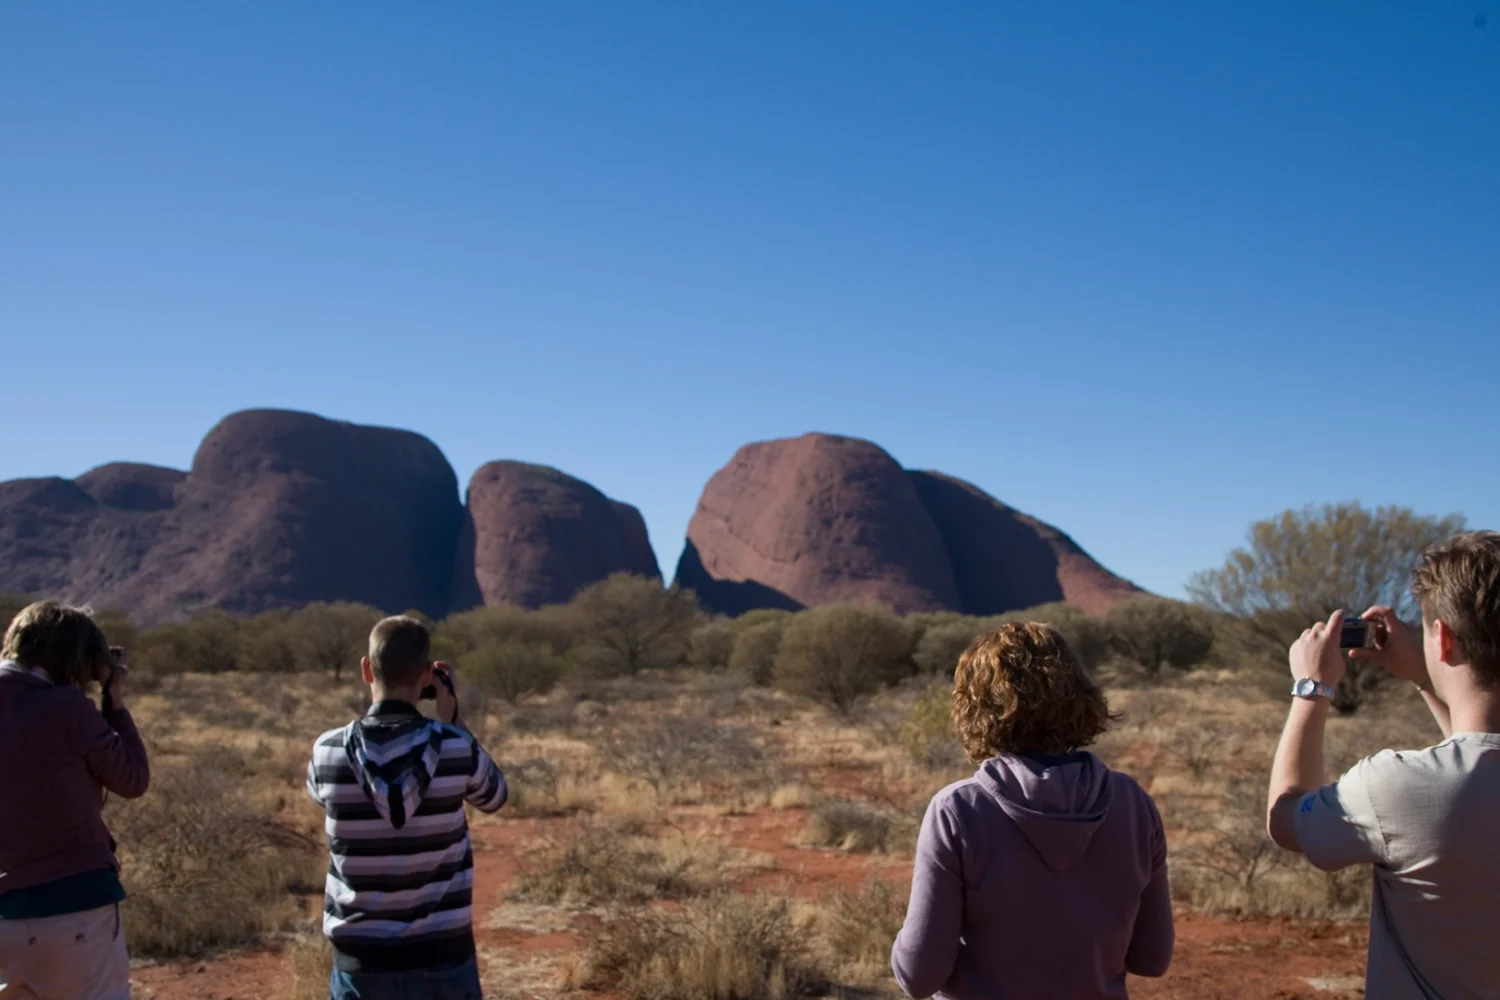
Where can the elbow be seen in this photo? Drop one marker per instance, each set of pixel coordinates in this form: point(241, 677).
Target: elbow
point(915, 980)
point(1281, 823)
point(132, 784)
point(1150, 966)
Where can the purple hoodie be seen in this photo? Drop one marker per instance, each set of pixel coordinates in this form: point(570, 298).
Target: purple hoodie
point(1037, 877)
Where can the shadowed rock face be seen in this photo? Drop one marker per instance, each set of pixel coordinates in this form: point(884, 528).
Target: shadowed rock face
point(538, 536)
point(279, 509)
point(822, 519)
point(1004, 560)
point(815, 520)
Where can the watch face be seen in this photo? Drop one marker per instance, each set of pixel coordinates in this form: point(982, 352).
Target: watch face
point(1306, 686)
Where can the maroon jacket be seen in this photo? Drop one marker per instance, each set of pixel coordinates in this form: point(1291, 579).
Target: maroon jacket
point(58, 755)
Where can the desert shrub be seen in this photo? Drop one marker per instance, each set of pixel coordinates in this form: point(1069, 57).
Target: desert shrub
point(1153, 632)
point(941, 645)
point(671, 752)
point(755, 648)
point(511, 670)
point(204, 867)
point(268, 643)
point(726, 947)
point(1303, 565)
point(712, 644)
point(849, 826)
point(794, 796)
point(209, 644)
point(629, 623)
point(928, 736)
point(599, 862)
point(836, 654)
point(310, 958)
point(463, 633)
point(861, 926)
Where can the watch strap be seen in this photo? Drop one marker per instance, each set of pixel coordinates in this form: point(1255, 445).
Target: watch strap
point(1308, 688)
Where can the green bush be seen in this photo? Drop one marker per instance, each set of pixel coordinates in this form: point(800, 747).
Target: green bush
point(1153, 632)
point(457, 635)
point(940, 647)
point(838, 653)
point(755, 648)
point(712, 645)
point(928, 735)
point(209, 644)
point(511, 670)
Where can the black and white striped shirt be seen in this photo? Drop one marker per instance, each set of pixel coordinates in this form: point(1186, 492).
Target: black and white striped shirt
point(401, 872)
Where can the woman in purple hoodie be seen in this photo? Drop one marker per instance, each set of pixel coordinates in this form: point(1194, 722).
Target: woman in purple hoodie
point(1045, 874)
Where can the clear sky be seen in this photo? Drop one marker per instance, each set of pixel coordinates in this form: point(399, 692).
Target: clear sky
point(1149, 271)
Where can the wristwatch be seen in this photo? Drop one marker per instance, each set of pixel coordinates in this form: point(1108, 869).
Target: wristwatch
point(1309, 688)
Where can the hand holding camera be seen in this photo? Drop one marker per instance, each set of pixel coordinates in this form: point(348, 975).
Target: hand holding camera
point(444, 691)
point(111, 676)
point(1393, 647)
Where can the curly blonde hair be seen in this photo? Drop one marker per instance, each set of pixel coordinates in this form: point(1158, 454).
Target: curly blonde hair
point(1019, 689)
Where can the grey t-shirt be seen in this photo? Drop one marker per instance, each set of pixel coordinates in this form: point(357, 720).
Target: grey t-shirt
point(1429, 821)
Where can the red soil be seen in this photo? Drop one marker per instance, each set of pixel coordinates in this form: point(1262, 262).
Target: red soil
point(1232, 960)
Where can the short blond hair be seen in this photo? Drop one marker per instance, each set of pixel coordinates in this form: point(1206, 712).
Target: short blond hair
point(64, 641)
point(400, 649)
point(1457, 582)
point(1020, 689)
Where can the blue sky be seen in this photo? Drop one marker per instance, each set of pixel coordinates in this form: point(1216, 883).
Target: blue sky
point(1148, 271)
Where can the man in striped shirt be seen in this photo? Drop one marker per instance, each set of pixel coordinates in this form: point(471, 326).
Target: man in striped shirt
point(398, 905)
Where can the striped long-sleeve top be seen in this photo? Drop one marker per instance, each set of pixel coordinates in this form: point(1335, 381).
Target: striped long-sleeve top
point(401, 869)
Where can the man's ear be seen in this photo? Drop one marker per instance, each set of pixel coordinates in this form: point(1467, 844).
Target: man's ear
point(1447, 644)
point(366, 670)
point(427, 675)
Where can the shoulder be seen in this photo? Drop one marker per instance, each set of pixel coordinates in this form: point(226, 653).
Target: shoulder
point(332, 738)
point(1396, 775)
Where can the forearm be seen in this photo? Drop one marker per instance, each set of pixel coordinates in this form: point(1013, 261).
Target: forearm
point(1298, 769)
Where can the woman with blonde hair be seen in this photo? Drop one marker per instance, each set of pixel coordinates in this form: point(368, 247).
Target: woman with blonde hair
point(1043, 875)
point(60, 934)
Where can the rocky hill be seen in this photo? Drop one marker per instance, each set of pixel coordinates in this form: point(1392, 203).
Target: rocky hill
point(537, 536)
point(822, 519)
point(280, 509)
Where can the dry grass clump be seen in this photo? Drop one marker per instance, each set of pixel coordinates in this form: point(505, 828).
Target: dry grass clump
point(601, 862)
point(725, 947)
point(204, 865)
point(310, 959)
point(794, 796)
point(679, 756)
point(849, 826)
point(860, 928)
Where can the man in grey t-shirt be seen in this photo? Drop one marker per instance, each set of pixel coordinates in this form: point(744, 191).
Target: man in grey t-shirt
point(1427, 820)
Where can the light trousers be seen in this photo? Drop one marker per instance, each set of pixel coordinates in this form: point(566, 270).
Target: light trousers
point(77, 956)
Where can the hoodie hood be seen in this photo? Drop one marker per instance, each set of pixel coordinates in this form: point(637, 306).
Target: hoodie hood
point(394, 762)
point(1058, 802)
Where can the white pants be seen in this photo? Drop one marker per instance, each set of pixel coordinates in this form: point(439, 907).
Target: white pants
point(77, 956)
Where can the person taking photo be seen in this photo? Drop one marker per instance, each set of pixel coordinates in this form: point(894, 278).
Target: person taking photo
point(398, 904)
point(1427, 821)
point(60, 931)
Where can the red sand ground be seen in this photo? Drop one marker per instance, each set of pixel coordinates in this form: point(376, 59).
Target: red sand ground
point(1233, 960)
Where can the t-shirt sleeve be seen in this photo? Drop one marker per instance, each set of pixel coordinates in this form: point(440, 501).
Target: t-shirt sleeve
point(1337, 825)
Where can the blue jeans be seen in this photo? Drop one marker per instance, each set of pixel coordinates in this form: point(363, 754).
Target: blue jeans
point(453, 982)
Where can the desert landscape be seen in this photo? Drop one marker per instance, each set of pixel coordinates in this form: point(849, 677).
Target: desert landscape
point(716, 785)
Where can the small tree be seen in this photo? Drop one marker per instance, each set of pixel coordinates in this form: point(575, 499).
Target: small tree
point(332, 636)
point(511, 670)
point(209, 644)
point(629, 624)
point(1155, 632)
point(838, 653)
point(1303, 565)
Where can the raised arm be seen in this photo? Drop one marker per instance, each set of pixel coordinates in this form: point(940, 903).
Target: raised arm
point(112, 749)
point(1299, 767)
point(1400, 655)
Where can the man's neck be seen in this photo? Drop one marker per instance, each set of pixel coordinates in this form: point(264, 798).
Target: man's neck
point(1476, 710)
point(408, 697)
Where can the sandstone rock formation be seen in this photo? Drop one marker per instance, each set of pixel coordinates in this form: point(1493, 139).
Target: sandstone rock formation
point(279, 509)
point(815, 520)
point(822, 519)
point(537, 536)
